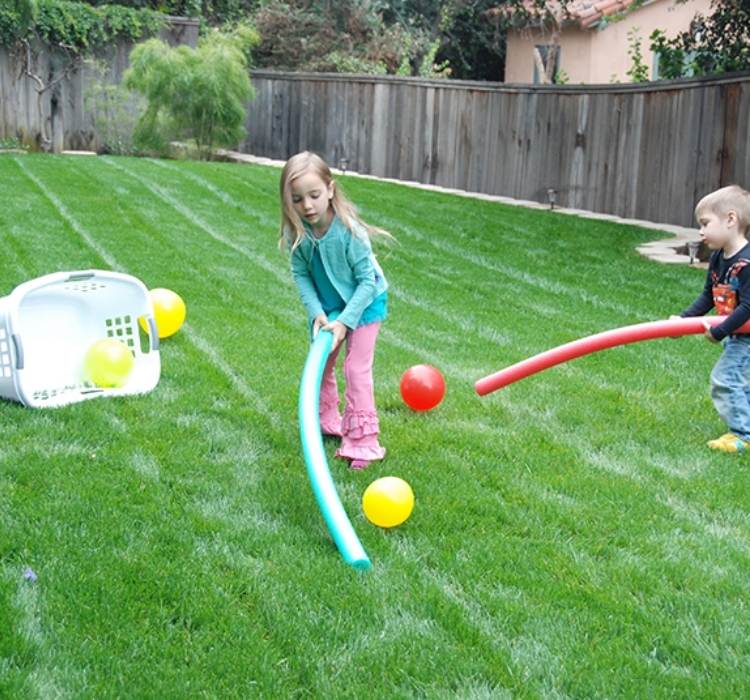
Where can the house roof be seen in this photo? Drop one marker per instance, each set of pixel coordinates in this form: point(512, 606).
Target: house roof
point(589, 12)
point(585, 13)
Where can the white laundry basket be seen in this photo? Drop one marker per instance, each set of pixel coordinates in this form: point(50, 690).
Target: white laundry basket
point(48, 324)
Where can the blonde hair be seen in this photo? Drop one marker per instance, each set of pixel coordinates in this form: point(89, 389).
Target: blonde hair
point(722, 201)
point(292, 229)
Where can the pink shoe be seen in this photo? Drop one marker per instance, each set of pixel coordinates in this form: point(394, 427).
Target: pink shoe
point(359, 464)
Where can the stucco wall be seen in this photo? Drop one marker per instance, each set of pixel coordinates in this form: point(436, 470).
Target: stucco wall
point(601, 55)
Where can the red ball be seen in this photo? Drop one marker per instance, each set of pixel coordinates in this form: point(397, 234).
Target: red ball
point(422, 387)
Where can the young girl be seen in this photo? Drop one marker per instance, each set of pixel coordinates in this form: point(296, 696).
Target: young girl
point(335, 271)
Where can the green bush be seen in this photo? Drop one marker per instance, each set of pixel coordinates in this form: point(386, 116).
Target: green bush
point(14, 144)
point(342, 62)
point(197, 94)
point(715, 43)
point(114, 109)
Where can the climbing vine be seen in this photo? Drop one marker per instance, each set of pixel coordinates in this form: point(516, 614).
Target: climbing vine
point(75, 26)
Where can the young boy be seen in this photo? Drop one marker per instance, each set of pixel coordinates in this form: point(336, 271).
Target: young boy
point(724, 218)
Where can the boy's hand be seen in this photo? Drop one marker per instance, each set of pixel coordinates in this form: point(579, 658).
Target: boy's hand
point(320, 321)
point(339, 332)
point(708, 333)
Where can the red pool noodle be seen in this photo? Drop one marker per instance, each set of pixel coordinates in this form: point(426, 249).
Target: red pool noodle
point(670, 328)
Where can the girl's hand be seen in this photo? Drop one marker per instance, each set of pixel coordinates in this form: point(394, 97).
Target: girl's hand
point(320, 321)
point(339, 332)
point(708, 333)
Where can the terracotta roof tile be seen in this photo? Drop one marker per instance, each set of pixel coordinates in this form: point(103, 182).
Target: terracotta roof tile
point(590, 21)
point(586, 13)
point(589, 12)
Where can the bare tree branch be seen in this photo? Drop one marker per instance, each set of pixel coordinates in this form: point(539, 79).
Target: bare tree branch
point(71, 65)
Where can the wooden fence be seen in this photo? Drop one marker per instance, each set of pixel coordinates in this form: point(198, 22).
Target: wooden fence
point(643, 151)
point(65, 115)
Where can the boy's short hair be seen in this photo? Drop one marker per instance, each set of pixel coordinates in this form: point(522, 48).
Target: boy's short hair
point(726, 199)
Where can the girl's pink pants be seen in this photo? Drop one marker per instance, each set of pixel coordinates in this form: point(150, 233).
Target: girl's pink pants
point(359, 426)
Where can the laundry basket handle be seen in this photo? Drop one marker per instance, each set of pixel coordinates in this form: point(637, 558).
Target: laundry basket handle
point(153, 332)
point(79, 276)
point(19, 350)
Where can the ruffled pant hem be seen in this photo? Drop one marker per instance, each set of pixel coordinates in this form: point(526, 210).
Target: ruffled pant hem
point(360, 436)
point(367, 453)
point(359, 425)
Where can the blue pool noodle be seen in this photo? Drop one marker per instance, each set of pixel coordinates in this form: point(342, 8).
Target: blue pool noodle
point(315, 457)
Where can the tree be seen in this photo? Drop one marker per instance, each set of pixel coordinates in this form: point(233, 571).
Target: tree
point(344, 36)
point(197, 94)
point(716, 43)
point(423, 23)
point(473, 47)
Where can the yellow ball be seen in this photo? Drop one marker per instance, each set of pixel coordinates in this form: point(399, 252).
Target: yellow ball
point(169, 312)
point(388, 502)
point(108, 363)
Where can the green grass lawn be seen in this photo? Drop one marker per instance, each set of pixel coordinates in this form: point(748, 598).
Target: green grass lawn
point(572, 535)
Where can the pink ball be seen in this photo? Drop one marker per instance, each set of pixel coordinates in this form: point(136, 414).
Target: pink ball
point(422, 387)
